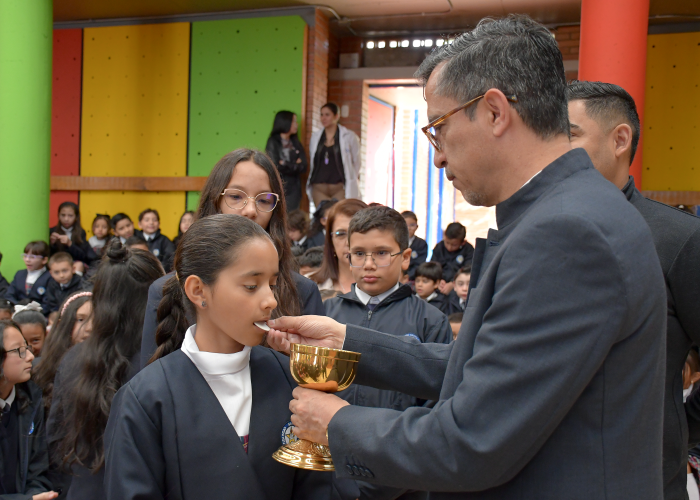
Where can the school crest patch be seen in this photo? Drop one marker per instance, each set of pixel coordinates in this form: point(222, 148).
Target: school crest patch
point(288, 436)
point(156, 252)
point(414, 254)
point(460, 259)
point(41, 290)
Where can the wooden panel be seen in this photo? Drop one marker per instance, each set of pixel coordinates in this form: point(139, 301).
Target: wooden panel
point(71, 183)
point(674, 197)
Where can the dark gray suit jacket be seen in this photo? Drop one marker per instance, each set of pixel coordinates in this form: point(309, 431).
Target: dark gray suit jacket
point(554, 386)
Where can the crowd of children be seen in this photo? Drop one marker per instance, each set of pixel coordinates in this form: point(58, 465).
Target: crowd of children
point(78, 322)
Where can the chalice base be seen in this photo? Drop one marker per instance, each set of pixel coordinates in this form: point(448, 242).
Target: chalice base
point(304, 454)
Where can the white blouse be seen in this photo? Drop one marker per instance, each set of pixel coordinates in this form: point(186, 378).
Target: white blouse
point(228, 376)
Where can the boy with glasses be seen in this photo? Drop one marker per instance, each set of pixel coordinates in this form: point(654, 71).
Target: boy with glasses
point(378, 239)
point(30, 284)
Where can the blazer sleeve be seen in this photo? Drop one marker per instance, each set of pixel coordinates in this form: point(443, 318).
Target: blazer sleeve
point(355, 152)
point(37, 472)
point(150, 322)
point(12, 293)
point(50, 302)
point(311, 303)
point(134, 461)
point(473, 440)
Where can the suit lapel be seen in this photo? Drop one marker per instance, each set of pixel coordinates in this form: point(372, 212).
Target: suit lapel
point(207, 443)
point(271, 397)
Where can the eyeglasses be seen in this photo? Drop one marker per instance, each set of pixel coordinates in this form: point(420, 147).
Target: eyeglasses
point(382, 258)
point(22, 351)
point(430, 131)
point(31, 256)
point(237, 199)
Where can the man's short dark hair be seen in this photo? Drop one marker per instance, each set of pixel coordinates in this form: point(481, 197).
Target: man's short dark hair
point(430, 270)
point(382, 218)
point(515, 55)
point(299, 220)
point(408, 214)
point(455, 231)
point(609, 105)
point(313, 257)
point(38, 248)
point(149, 211)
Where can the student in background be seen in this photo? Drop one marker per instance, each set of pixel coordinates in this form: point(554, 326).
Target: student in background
point(428, 276)
point(123, 226)
point(405, 280)
point(317, 231)
point(298, 222)
point(455, 320)
point(4, 285)
point(457, 298)
point(452, 253)
point(137, 242)
point(180, 429)
point(328, 294)
point(6, 309)
point(289, 156)
point(63, 282)
point(91, 371)
point(101, 233)
point(310, 261)
point(69, 236)
point(158, 244)
point(378, 239)
point(32, 323)
point(30, 284)
point(418, 246)
point(23, 452)
point(186, 221)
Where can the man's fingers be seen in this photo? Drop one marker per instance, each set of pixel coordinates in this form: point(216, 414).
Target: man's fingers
point(285, 323)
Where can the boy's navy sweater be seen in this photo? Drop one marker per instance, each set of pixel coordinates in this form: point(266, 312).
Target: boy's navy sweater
point(402, 314)
point(160, 246)
point(452, 261)
point(419, 254)
point(16, 293)
point(56, 294)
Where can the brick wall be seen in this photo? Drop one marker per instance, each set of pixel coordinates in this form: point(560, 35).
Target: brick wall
point(316, 74)
point(568, 38)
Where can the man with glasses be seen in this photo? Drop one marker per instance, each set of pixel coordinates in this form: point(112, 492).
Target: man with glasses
point(554, 386)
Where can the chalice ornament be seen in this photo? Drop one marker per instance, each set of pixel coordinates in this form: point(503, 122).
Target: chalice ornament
point(323, 369)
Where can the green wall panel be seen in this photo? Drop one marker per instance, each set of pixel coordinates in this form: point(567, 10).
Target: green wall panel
point(243, 71)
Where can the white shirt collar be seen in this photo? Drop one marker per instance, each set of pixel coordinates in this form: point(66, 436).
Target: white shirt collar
point(431, 297)
point(123, 240)
point(411, 240)
point(9, 399)
point(147, 236)
point(301, 241)
point(364, 297)
point(530, 179)
point(214, 363)
point(32, 276)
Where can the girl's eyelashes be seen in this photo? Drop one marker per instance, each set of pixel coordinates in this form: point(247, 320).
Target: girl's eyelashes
point(250, 287)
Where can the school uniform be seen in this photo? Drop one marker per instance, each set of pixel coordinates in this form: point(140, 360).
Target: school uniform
point(20, 291)
point(419, 254)
point(317, 240)
point(159, 245)
point(418, 320)
point(4, 285)
point(454, 303)
point(24, 459)
point(56, 293)
point(452, 261)
point(84, 485)
point(81, 252)
point(170, 436)
point(440, 301)
point(304, 243)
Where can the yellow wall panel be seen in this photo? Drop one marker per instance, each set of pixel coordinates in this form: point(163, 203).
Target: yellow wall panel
point(135, 91)
point(672, 113)
point(170, 206)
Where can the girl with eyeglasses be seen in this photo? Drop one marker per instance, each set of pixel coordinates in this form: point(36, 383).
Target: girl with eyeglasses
point(246, 182)
point(30, 284)
point(335, 271)
point(24, 459)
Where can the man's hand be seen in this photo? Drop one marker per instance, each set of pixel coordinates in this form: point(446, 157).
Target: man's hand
point(317, 331)
point(445, 288)
point(312, 411)
point(49, 495)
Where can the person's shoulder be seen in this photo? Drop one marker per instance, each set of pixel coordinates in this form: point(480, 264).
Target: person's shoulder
point(21, 275)
point(273, 363)
point(151, 381)
point(666, 219)
point(304, 285)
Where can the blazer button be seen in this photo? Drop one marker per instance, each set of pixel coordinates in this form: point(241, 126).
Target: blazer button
point(364, 472)
point(350, 471)
point(356, 470)
point(369, 473)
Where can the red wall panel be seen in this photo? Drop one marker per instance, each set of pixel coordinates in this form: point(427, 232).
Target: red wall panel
point(65, 112)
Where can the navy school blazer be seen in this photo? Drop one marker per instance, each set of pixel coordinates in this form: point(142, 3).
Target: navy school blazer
point(16, 292)
point(168, 437)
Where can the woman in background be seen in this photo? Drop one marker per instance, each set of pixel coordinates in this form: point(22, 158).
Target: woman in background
point(289, 156)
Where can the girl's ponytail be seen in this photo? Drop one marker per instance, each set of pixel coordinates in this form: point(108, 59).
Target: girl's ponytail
point(172, 320)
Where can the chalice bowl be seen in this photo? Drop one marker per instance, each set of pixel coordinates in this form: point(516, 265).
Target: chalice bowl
point(323, 369)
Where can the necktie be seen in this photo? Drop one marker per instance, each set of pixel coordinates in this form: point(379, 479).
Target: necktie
point(5, 412)
point(463, 304)
point(373, 303)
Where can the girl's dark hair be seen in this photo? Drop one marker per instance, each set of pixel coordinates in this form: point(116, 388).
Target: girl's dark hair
point(22, 399)
point(282, 124)
point(288, 303)
point(56, 345)
point(76, 235)
point(30, 318)
point(333, 107)
point(117, 218)
point(119, 304)
point(105, 218)
point(329, 268)
point(38, 248)
point(320, 213)
point(209, 246)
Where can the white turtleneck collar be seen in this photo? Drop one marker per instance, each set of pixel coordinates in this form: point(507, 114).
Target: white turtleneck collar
point(228, 376)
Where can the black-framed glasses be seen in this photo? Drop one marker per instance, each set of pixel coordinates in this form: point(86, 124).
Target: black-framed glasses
point(430, 131)
point(22, 351)
point(237, 200)
point(382, 258)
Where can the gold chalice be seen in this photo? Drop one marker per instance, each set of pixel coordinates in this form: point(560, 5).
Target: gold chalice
point(326, 370)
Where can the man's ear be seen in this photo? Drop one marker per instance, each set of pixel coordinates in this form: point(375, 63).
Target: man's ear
point(406, 259)
point(499, 111)
point(622, 140)
point(197, 291)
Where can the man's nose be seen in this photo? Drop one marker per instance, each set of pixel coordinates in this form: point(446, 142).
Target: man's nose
point(439, 159)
